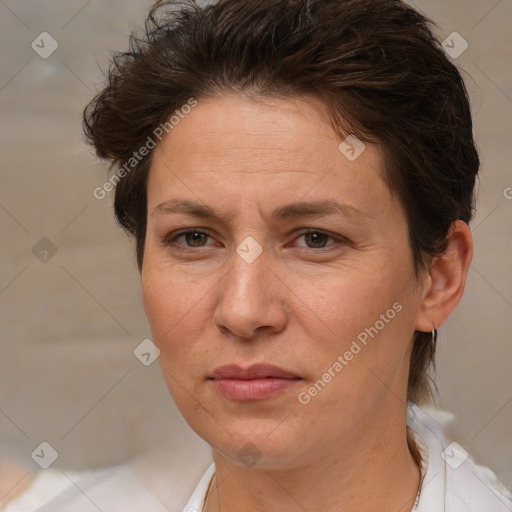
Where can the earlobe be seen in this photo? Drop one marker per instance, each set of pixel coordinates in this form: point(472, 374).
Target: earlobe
point(447, 279)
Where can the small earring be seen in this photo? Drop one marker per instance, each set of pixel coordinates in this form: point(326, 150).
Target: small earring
point(434, 339)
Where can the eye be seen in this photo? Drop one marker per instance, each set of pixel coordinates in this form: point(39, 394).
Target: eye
point(315, 239)
point(193, 238)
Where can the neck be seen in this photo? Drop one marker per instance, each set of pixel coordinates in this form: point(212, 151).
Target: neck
point(374, 470)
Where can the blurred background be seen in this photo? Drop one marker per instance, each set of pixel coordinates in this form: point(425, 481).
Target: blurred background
point(70, 310)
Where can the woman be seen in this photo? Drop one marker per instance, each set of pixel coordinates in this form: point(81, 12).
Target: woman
point(298, 176)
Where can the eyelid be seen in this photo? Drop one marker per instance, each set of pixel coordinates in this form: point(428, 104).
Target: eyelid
point(305, 231)
point(171, 239)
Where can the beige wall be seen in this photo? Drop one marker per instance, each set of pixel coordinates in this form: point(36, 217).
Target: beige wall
point(69, 326)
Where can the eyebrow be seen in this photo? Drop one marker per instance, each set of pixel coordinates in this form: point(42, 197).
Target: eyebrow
point(293, 210)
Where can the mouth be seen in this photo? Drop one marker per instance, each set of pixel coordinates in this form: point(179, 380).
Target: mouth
point(256, 382)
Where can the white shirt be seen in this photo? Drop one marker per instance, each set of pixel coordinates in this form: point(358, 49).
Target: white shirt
point(451, 481)
point(45, 486)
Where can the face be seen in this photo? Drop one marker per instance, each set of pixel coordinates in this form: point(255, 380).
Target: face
point(268, 244)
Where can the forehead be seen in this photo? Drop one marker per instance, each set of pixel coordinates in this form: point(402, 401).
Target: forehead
point(240, 125)
point(231, 145)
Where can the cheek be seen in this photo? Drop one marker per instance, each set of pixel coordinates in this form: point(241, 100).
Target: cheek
point(349, 301)
point(366, 321)
point(175, 305)
point(163, 309)
point(171, 308)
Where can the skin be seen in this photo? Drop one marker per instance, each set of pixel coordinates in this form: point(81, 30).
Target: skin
point(299, 305)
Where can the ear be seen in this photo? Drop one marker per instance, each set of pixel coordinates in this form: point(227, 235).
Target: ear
point(446, 279)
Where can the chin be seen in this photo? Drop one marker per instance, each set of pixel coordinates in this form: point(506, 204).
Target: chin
point(270, 447)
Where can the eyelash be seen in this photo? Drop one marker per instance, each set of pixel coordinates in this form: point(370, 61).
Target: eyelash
point(170, 240)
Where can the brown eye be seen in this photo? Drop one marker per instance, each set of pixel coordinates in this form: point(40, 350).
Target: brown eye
point(315, 239)
point(193, 239)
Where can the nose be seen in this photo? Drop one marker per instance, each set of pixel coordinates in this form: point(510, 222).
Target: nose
point(251, 300)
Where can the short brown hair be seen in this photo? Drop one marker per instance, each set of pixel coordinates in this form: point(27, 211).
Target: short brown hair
point(376, 65)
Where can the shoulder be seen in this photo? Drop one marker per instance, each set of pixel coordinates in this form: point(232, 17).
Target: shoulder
point(473, 488)
point(156, 482)
point(109, 489)
point(453, 479)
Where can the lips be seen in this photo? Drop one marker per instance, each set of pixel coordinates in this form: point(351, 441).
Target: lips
point(255, 371)
point(257, 382)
